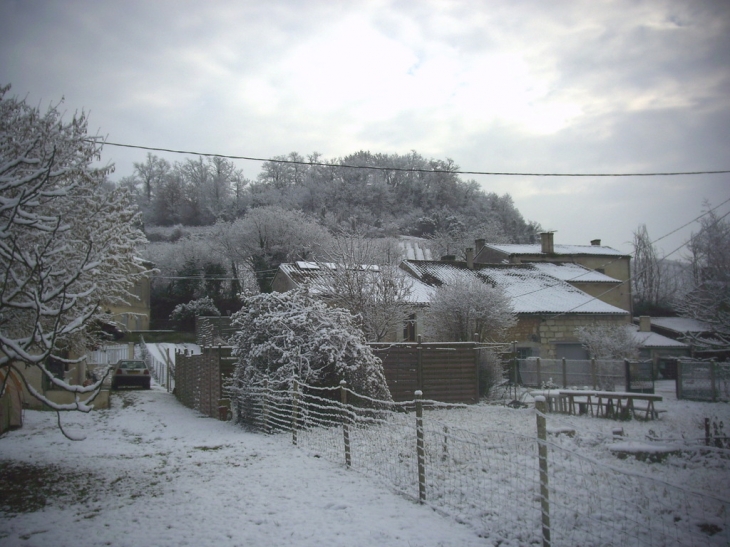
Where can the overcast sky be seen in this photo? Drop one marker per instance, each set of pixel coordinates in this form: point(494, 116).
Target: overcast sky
point(514, 86)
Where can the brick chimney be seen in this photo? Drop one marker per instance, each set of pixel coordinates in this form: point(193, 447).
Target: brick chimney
point(596, 242)
point(470, 258)
point(546, 238)
point(644, 323)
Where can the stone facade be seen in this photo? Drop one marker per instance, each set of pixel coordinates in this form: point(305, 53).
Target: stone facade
point(541, 334)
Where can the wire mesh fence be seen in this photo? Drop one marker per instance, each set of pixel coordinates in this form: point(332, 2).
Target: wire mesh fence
point(598, 374)
point(703, 380)
point(489, 480)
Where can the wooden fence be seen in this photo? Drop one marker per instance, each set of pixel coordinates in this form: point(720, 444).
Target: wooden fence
point(446, 372)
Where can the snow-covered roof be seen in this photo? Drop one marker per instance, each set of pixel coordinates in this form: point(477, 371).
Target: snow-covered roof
point(318, 274)
point(681, 324)
point(567, 271)
point(414, 248)
point(536, 249)
point(654, 340)
point(531, 290)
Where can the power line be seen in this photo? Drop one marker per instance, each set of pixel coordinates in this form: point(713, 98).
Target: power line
point(663, 258)
point(416, 170)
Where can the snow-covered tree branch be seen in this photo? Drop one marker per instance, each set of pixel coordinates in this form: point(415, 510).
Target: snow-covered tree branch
point(609, 341)
point(67, 243)
point(466, 307)
point(285, 336)
point(365, 279)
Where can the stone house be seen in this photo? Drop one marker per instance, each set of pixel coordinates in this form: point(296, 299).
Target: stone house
point(661, 350)
point(548, 308)
point(317, 275)
point(610, 269)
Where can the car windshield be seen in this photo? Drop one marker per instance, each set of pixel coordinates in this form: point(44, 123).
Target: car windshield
point(132, 364)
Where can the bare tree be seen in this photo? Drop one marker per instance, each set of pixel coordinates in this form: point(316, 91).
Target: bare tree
point(67, 244)
point(269, 236)
point(709, 299)
point(364, 277)
point(466, 307)
point(647, 275)
point(609, 341)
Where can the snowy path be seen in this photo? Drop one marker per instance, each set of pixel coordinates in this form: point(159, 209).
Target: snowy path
point(163, 476)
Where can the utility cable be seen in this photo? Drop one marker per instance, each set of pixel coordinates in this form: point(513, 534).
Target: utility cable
point(417, 170)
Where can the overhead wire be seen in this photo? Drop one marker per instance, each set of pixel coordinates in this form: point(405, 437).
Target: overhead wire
point(413, 169)
point(631, 277)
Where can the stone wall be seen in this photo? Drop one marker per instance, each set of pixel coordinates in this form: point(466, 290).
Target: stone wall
point(542, 333)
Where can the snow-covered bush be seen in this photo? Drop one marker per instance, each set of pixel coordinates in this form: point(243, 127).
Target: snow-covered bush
point(286, 336)
point(491, 371)
point(465, 307)
point(609, 341)
point(184, 314)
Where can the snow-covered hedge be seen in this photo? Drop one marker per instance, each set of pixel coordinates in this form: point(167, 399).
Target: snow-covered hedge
point(184, 314)
point(285, 336)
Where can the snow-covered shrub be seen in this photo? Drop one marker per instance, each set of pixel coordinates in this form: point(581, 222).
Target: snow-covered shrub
point(184, 314)
point(491, 371)
point(286, 336)
point(609, 341)
point(465, 307)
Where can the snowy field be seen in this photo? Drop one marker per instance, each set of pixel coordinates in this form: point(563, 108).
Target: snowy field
point(153, 472)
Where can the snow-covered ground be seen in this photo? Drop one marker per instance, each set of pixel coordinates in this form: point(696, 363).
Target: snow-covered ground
point(152, 472)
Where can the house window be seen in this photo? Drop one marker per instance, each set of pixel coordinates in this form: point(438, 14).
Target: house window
point(409, 329)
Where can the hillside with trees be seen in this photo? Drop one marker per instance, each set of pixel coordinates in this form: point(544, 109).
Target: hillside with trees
point(216, 234)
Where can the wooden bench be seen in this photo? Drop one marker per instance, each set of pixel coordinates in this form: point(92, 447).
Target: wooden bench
point(606, 404)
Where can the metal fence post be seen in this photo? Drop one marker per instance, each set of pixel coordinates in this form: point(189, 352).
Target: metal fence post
point(420, 448)
point(419, 363)
point(679, 379)
point(539, 373)
point(345, 425)
point(265, 406)
point(294, 411)
point(565, 374)
point(541, 407)
point(594, 378)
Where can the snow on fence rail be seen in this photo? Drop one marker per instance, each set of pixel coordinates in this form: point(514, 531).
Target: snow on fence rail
point(491, 480)
point(703, 380)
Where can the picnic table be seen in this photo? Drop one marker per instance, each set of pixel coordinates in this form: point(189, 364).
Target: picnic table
point(606, 404)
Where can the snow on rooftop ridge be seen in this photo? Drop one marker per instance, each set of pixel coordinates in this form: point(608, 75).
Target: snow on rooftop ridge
point(536, 248)
point(307, 265)
point(654, 340)
point(681, 324)
point(567, 271)
point(530, 290)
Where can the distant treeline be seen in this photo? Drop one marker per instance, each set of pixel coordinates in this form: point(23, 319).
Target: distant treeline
point(419, 196)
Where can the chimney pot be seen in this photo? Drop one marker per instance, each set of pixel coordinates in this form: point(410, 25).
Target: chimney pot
point(546, 239)
point(644, 323)
point(596, 242)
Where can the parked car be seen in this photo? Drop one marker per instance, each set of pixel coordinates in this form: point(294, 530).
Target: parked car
point(131, 373)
